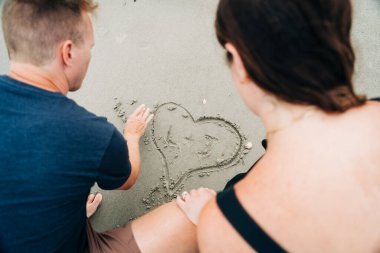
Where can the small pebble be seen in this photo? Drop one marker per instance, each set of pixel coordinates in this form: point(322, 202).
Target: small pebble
point(248, 145)
point(219, 161)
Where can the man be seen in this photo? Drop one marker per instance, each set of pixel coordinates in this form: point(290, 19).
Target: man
point(52, 150)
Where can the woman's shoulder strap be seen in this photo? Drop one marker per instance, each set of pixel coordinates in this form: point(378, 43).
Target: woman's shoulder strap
point(244, 224)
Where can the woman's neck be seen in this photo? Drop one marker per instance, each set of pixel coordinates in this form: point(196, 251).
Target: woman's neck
point(284, 116)
point(40, 77)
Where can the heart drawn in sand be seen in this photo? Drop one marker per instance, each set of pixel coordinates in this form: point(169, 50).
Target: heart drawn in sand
point(188, 145)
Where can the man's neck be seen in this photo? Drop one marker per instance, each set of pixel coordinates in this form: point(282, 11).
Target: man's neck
point(40, 77)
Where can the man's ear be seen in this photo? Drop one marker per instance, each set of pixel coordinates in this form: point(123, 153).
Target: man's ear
point(66, 52)
point(237, 64)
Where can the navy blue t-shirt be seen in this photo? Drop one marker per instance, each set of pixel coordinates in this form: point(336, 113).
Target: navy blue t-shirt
point(52, 151)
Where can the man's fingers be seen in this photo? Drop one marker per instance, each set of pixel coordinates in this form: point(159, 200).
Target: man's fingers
point(147, 122)
point(146, 114)
point(98, 198)
point(138, 110)
point(149, 119)
point(91, 198)
point(140, 115)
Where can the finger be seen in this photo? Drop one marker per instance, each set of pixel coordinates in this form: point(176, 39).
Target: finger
point(181, 204)
point(147, 121)
point(141, 113)
point(146, 114)
point(98, 198)
point(202, 189)
point(211, 191)
point(149, 118)
point(90, 198)
point(193, 192)
point(185, 195)
point(138, 110)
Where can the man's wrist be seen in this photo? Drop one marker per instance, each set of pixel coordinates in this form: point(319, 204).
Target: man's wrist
point(132, 138)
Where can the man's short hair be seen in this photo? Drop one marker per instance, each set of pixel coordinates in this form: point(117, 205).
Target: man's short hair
point(33, 28)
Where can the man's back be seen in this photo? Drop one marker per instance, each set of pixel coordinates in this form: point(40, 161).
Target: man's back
point(51, 153)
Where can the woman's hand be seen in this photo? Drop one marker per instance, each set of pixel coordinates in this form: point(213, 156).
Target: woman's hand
point(192, 203)
point(137, 123)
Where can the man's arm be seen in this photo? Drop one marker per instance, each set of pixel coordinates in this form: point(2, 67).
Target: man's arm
point(120, 164)
point(134, 129)
point(134, 158)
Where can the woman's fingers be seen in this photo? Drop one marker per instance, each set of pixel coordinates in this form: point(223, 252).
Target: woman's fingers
point(185, 196)
point(211, 191)
point(192, 203)
point(181, 203)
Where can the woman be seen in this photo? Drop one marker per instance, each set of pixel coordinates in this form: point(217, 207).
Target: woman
point(317, 188)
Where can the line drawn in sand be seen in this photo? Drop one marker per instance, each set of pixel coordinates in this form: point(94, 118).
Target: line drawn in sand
point(189, 146)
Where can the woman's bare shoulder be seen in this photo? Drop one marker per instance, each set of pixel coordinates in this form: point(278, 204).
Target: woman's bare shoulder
point(216, 234)
point(365, 118)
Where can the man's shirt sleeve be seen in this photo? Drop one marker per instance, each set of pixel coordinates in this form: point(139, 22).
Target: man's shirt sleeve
point(115, 167)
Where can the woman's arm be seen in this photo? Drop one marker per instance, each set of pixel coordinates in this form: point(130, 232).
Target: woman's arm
point(216, 234)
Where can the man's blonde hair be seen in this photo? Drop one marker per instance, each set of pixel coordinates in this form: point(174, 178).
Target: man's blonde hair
point(33, 28)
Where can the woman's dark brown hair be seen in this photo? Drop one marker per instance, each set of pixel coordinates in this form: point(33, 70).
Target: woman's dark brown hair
point(298, 50)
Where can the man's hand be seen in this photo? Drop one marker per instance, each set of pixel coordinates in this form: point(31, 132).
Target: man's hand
point(137, 123)
point(192, 203)
point(134, 129)
point(93, 201)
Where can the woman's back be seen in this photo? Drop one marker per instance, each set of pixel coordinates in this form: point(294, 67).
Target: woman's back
point(317, 188)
